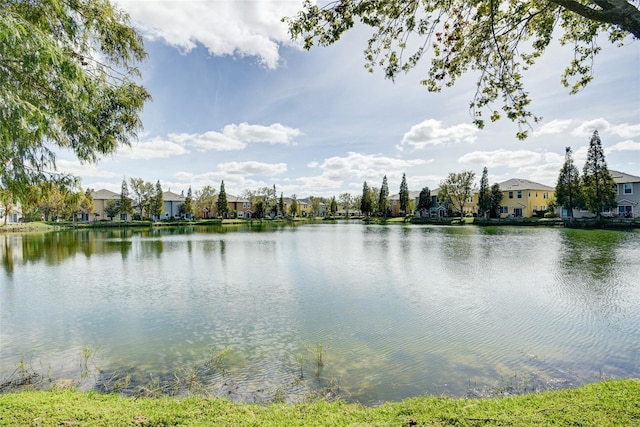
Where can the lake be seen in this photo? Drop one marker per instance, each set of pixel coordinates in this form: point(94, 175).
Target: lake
point(366, 313)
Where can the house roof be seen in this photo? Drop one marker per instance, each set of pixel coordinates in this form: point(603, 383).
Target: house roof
point(236, 199)
point(105, 194)
point(412, 195)
point(623, 178)
point(168, 196)
point(522, 184)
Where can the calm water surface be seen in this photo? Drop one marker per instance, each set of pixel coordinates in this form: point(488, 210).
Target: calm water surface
point(398, 311)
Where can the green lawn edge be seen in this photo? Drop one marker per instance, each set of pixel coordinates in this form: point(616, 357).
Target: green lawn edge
point(605, 403)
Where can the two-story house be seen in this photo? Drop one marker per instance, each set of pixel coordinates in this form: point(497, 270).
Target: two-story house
point(171, 205)
point(522, 198)
point(100, 200)
point(628, 194)
point(394, 203)
point(627, 198)
point(239, 207)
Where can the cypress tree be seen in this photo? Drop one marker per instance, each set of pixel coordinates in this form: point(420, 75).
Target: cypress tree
point(568, 185)
point(484, 194)
point(598, 188)
point(383, 200)
point(404, 194)
point(222, 205)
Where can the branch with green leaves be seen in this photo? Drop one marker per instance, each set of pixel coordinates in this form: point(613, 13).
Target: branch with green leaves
point(497, 40)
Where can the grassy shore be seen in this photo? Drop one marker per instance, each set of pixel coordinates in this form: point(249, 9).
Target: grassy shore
point(607, 403)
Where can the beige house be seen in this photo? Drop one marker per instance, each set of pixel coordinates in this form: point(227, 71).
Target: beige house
point(100, 200)
point(522, 198)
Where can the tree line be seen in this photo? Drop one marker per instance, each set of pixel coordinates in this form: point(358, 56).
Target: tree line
point(594, 190)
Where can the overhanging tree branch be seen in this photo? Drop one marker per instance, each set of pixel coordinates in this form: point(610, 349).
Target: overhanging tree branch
point(616, 12)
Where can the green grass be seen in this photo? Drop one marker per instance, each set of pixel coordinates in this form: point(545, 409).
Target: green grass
point(607, 403)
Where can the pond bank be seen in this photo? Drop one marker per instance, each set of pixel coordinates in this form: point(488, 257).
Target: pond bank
point(612, 403)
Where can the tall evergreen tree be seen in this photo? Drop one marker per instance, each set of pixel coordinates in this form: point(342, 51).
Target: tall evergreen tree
point(404, 195)
point(383, 199)
point(495, 200)
point(366, 204)
point(484, 194)
point(188, 204)
point(223, 207)
point(568, 185)
point(281, 205)
point(157, 202)
point(125, 199)
point(424, 201)
point(333, 206)
point(598, 187)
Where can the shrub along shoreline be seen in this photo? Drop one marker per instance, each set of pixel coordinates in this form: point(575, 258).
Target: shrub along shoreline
point(606, 403)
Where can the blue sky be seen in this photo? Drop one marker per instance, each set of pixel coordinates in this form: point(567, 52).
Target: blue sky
point(235, 100)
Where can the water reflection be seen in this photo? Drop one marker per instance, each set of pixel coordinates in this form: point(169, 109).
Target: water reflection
point(592, 253)
point(593, 269)
point(400, 310)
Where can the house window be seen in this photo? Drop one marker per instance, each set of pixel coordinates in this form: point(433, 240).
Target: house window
point(625, 211)
point(519, 194)
point(511, 194)
point(627, 188)
point(504, 209)
point(545, 195)
point(529, 193)
point(246, 204)
point(123, 217)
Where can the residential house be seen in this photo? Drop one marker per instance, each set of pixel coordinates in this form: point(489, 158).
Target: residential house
point(239, 207)
point(306, 207)
point(628, 197)
point(437, 208)
point(11, 213)
point(100, 200)
point(522, 198)
point(394, 203)
point(171, 205)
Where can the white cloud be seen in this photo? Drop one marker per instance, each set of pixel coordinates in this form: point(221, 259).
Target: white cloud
point(273, 134)
point(209, 141)
point(553, 127)
point(365, 166)
point(313, 164)
point(156, 148)
point(586, 129)
point(431, 132)
point(624, 146)
point(253, 168)
point(625, 130)
point(240, 27)
point(545, 173)
point(501, 157)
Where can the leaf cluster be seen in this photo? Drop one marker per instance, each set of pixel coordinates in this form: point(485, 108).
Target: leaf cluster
point(67, 81)
point(496, 40)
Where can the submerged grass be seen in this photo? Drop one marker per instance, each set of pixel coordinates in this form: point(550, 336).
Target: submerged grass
point(607, 403)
